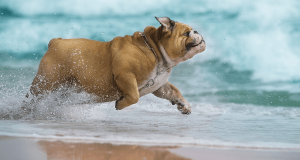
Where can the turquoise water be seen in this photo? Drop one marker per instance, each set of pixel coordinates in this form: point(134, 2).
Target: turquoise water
point(244, 88)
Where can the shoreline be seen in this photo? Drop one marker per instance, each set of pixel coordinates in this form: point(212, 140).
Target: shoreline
point(147, 143)
point(37, 148)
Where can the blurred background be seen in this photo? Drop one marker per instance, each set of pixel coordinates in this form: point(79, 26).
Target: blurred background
point(252, 55)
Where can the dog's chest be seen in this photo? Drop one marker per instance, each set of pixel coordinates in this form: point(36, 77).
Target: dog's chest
point(154, 81)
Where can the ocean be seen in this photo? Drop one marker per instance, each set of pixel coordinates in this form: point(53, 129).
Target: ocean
point(244, 89)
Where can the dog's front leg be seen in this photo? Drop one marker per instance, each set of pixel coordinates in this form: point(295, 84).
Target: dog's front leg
point(130, 93)
point(171, 93)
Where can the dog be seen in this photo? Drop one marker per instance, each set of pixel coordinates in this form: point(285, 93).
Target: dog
point(123, 69)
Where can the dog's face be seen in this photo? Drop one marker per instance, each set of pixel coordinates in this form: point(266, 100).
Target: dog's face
point(179, 40)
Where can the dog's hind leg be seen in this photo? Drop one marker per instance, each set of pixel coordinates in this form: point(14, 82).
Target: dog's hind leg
point(48, 77)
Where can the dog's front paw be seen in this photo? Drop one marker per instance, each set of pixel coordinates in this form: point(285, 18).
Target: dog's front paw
point(117, 106)
point(184, 108)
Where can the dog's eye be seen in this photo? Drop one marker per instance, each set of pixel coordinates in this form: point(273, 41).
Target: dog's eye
point(187, 33)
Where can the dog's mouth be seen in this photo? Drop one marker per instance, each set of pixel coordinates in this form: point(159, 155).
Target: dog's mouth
point(191, 45)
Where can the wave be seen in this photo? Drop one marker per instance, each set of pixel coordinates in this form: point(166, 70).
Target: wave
point(260, 37)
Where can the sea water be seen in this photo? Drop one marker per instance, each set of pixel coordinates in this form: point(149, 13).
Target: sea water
point(244, 89)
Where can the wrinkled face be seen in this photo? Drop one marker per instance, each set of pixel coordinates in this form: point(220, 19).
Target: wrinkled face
point(179, 40)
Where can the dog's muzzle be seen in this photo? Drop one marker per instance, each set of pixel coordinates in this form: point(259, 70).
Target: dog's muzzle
point(191, 45)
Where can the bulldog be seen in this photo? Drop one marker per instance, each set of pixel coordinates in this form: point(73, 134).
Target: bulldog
point(123, 69)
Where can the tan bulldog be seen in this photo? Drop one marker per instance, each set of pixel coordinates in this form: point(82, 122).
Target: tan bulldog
point(123, 69)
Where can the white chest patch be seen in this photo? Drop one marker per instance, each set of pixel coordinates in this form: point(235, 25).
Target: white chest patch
point(159, 81)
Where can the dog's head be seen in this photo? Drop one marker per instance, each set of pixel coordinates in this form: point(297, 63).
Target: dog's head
point(179, 41)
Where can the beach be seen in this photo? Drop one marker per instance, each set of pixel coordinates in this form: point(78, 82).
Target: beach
point(12, 148)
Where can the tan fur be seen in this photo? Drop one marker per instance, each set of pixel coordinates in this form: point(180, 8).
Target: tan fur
point(116, 70)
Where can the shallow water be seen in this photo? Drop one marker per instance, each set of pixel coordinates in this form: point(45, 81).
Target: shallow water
point(156, 121)
point(244, 89)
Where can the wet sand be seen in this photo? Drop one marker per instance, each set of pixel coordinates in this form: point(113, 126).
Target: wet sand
point(40, 149)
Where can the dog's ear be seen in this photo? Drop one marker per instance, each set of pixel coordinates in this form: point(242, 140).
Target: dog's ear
point(167, 23)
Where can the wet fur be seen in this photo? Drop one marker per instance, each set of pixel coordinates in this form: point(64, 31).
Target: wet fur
point(116, 70)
